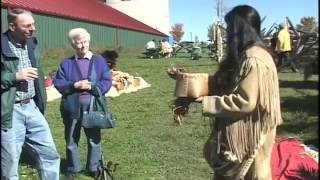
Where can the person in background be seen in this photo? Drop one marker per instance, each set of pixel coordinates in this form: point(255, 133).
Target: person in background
point(175, 48)
point(78, 78)
point(165, 48)
point(273, 44)
point(23, 101)
point(245, 102)
point(283, 48)
point(151, 50)
point(151, 45)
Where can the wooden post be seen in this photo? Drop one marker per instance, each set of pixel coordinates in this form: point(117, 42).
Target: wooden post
point(219, 44)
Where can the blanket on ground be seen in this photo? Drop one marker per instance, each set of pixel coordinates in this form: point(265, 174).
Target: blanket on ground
point(291, 159)
point(121, 83)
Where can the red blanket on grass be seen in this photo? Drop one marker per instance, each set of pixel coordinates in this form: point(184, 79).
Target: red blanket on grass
point(290, 161)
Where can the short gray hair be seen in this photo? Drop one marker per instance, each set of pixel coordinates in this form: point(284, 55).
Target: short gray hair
point(14, 13)
point(77, 33)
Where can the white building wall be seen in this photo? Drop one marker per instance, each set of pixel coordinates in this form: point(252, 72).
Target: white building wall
point(154, 13)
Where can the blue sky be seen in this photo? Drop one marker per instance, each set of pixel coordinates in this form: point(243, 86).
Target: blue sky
point(197, 15)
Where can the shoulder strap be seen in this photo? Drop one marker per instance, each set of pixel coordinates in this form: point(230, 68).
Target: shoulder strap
point(99, 100)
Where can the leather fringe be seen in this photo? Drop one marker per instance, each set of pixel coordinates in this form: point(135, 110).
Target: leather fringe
point(266, 116)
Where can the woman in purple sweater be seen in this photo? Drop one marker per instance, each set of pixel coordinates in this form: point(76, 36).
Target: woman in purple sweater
point(78, 79)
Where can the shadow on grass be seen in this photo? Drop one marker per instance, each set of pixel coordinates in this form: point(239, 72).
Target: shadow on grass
point(26, 159)
point(313, 141)
point(63, 165)
point(27, 165)
point(301, 126)
point(298, 126)
point(299, 84)
point(180, 56)
point(142, 57)
point(194, 65)
point(301, 123)
point(308, 104)
point(148, 58)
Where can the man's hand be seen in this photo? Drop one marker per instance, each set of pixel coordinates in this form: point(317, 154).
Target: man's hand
point(27, 74)
point(83, 85)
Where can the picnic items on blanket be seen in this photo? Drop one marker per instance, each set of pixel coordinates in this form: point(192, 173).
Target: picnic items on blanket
point(293, 160)
point(52, 93)
point(123, 82)
point(98, 118)
point(189, 86)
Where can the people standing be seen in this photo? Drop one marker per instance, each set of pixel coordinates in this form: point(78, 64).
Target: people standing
point(23, 101)
point(165, 48)
point(283, 48)
point(78, 78)
point(245, 103)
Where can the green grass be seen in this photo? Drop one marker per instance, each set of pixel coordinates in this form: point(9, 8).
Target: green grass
point(146, 142)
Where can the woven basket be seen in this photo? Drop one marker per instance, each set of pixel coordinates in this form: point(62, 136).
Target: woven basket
point(192, 85)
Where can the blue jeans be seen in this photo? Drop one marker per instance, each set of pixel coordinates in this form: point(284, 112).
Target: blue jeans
point(31, 129)
point(72, 137)
point(9, 162)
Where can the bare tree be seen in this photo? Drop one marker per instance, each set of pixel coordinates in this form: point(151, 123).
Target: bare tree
point(177, 32)
point(221, 8)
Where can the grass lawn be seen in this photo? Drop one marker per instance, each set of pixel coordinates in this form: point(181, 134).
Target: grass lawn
point(147, 143)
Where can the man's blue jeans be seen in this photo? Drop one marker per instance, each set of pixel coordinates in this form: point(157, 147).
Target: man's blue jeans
point(31, 129)
point(9, 162)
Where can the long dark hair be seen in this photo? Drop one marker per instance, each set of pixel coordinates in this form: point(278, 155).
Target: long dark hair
point(243, 31)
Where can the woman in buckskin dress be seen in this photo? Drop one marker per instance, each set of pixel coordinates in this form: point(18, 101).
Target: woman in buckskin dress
point(245, 103)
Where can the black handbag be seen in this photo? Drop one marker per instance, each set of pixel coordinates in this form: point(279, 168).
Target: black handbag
point(98, 119)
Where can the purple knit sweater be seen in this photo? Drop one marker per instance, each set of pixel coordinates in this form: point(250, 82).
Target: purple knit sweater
point(69, 73)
